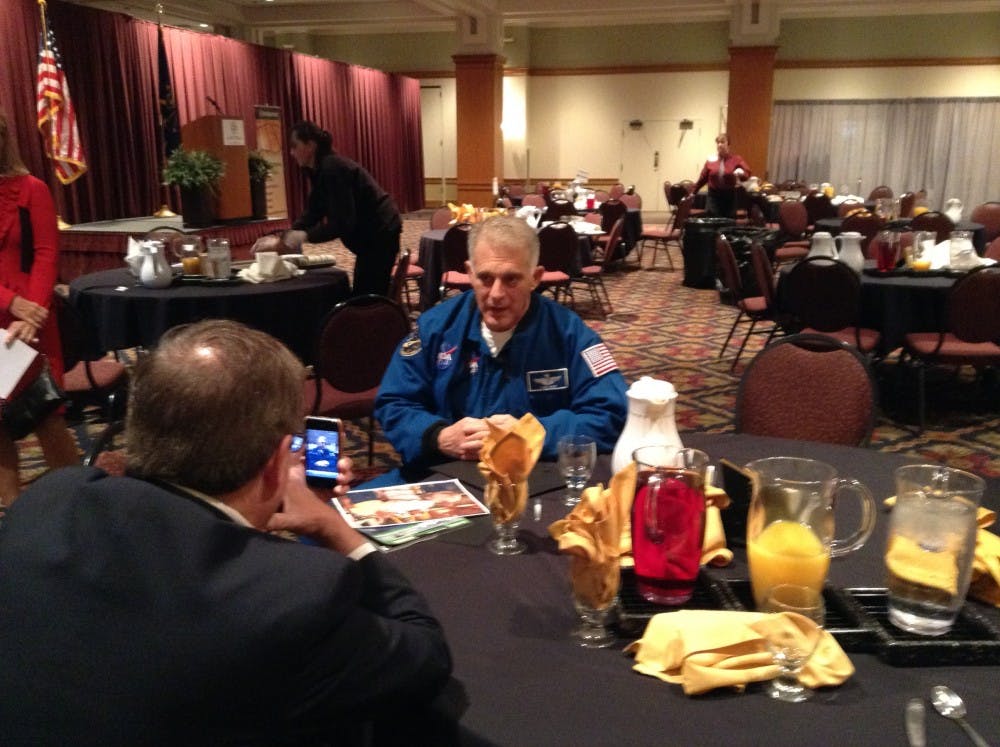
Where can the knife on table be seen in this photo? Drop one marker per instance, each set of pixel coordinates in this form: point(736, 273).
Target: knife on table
point(915, 723)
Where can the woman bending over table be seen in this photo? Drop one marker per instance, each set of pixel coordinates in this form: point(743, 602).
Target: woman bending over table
point(28, 269)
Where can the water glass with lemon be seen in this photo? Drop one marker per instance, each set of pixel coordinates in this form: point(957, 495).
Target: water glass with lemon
point(790, 524)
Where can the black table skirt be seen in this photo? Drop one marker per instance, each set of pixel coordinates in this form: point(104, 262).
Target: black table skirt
point(290, 310)
point(508, 621)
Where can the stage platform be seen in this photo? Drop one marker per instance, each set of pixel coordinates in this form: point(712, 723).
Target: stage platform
point(89, 247)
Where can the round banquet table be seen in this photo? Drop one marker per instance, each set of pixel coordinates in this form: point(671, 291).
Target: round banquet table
point(508, 620)
point(832, 226)
point(123, 314)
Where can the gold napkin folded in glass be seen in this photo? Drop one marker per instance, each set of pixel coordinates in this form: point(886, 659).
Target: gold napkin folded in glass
point(713, 545)
point(702, 650)
point(985, 585)
point(505, 460)
point(590, 536)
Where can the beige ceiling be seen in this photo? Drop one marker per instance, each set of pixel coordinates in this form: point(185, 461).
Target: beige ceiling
point(254, 19)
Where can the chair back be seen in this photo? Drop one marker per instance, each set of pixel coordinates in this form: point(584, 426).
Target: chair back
point(398, 280)
point(357, 368)
point(614, 239)
point(934, 221)
point(558, 248)
point(808, 387)
point(763, 272)
point(793, 218)
point(515, 190)
point(818, 206)
point(441, 218)
point(867, 224)
point(534, 200)
point(611, 211)
point(676, 193)
point(822, 293)
point(558, 209)
point(880, 192)
point(993, 250)
point(989, 215)
point(974, 306)
point(683, 212)
point(455, 252)
point(666, 192)
point(632, 202)
point(907, 201)
point(727, 266)
point(688, 184)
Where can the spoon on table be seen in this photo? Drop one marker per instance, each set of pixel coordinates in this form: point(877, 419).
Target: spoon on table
point(948, 703)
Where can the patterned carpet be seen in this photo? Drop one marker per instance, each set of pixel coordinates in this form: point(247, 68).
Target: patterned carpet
point(661, 328)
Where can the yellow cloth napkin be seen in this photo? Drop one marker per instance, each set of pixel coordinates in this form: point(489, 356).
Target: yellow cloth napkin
point(985, 585)
point(505, 460)
point(702, 650)
point(713, 545)
point(590, 536)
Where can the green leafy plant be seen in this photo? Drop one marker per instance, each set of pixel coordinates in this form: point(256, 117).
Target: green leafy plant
point(193, 169)
point(260, 167)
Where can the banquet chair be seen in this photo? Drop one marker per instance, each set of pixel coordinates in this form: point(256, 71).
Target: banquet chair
point(89, 379)
point(867, 224)
point(969, 335)
point(793, 222)
point(881, 191)
point(849, 206)
point(533, 200)
point(818, 206)
point(610, 211)
point(907, 201)
point(989, 215)
point(558, 210)
point(405, 275)
point(602, 195)
point(454, 255)
point(751, 309)
point(592, 276)
point(676, 193)
point(825, 296)
point(670, 234)
point(558, 248)
point(808, 387)
point(441, 218)
point(347, 377)
point(934, 221)
point(993, 250)
point(632, 201)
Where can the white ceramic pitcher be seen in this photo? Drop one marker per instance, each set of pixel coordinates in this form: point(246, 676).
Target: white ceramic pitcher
point(155, 271)
point(822, 245)
point(650, 420)
point(850, 251)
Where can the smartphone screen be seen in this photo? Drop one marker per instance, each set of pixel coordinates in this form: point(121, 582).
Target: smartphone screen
point(322, 446)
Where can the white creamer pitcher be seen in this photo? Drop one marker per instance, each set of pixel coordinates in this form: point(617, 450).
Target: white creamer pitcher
point(822, 246)
point(155, 271)
point(650, 420)
point(850, 251)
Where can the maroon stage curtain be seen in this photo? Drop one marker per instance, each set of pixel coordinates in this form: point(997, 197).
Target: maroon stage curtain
point(110, 62)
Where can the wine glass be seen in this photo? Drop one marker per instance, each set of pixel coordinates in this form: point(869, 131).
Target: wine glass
point(792, 644)
point(577, 455)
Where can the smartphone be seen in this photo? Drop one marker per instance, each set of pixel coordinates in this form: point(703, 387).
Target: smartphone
point(322, 446)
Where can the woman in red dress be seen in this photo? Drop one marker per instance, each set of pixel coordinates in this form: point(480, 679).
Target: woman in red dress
point(24, 300)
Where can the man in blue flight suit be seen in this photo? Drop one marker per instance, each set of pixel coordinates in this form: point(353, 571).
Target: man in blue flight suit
point(497, 352)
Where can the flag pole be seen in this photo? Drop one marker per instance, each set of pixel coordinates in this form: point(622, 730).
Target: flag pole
point(164, 211)
point(53, 135)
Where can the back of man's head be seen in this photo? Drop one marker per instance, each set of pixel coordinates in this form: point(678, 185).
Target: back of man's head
point(210, 404)
point(505, 232)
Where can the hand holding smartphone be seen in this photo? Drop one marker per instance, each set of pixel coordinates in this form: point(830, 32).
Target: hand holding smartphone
point(322, 450)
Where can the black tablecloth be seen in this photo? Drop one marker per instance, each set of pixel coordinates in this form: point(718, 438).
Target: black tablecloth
point(508, 621)
point(123, 314)
point(832, 226)
point(432, 260)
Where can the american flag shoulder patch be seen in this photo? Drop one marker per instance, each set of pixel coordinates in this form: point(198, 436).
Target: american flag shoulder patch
point(599, 359)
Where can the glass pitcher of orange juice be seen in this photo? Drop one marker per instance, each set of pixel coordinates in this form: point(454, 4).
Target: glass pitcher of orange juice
point(790, 525)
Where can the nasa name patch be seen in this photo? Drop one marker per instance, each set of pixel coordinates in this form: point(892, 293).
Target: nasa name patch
point(547, 381)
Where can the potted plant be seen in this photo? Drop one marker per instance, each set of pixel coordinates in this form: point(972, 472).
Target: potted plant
point(197, 174)
point(260, 171)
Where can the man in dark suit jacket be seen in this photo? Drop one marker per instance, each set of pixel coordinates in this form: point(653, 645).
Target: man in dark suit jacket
point(158, 609)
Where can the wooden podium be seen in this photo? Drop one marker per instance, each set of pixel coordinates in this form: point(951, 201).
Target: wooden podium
point(224, 138)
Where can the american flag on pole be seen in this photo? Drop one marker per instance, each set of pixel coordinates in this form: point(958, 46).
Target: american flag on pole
point(55, 109)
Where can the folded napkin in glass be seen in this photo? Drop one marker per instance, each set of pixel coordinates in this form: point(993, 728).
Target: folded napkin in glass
point(705, 649)
point(505, 460)
point(985, 585)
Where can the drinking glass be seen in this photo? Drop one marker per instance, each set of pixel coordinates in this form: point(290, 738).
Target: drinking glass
point(791, 646)
point(668, 521)
point(886, 250)
point(506, 542)
point(577, 455)
point(594, 630)
point(219, 259)
point(930, 548)
point(961, 254)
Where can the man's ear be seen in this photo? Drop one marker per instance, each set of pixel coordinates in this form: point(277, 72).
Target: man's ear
point(536, 276)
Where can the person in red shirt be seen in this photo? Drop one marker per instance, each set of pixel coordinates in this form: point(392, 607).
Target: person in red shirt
point(722, 174)
point(26, 282)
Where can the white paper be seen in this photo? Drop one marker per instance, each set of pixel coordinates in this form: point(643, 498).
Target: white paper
point(14, 361)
